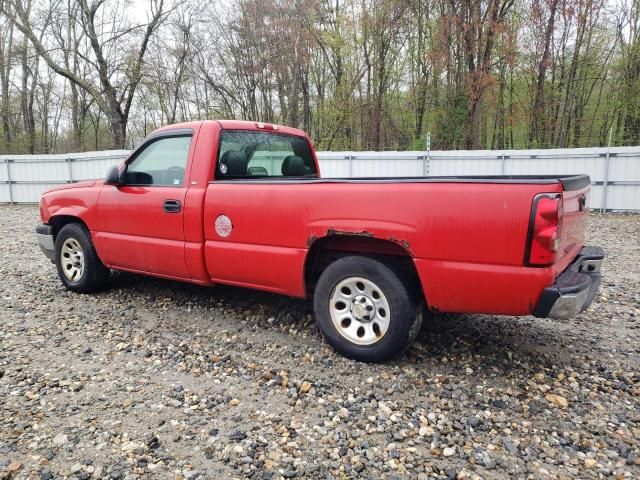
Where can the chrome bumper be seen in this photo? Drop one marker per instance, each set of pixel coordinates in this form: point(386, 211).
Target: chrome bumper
point(44, 233)
point(574, 288)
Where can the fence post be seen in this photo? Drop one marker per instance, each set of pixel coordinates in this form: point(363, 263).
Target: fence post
point(350, 164)
point(7, 162)
point(69, 160)
point(427, 157)
point(605, 179)
point(503, 166)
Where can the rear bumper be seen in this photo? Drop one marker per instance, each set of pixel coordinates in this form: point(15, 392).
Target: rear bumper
point(44, 233)
point(574, 288)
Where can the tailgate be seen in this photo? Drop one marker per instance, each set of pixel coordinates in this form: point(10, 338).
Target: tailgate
point(575, 208)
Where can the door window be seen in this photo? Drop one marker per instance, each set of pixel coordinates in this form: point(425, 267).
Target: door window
point(248, 154)
point(162, 163)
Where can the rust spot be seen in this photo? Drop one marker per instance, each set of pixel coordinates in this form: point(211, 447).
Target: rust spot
point(363, 233)
point(403, 243)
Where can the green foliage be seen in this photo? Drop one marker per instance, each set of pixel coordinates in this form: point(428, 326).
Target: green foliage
point(448, 131)
point(357, 74)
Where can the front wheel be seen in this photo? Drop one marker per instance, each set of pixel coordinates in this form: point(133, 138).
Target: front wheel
point(365, 309)
point(77, 262)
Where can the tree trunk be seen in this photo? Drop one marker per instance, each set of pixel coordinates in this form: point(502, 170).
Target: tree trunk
point(118, 131)
point(75, 118)
point(6, 72)
point(538, 117)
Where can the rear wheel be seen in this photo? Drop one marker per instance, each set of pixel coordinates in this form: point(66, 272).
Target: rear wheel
point(365, 309)
point(77, 262)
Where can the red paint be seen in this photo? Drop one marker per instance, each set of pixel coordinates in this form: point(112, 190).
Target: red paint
point(467, 240)
point(132, 230)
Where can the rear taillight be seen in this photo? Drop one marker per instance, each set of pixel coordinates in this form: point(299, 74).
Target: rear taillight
point(543, 240)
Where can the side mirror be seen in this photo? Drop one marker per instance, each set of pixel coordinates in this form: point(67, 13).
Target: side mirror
point(113, 176)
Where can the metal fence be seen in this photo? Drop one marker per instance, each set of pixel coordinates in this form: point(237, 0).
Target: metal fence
point(24, 177)
point(614, 172)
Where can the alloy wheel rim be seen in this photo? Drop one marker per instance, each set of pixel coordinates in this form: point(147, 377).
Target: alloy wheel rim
point(359, 310)
point(72, 259)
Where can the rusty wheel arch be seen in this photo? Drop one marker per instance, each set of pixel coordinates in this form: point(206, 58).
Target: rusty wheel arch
point(336, 244)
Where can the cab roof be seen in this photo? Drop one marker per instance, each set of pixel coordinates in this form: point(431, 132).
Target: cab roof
point(238, 125)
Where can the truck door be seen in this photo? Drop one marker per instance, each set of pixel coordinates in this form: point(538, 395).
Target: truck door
point(140, 226)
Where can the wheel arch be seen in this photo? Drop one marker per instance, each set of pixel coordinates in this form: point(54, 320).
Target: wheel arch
point(60, 220)
point(325, 250)
point(93, 273)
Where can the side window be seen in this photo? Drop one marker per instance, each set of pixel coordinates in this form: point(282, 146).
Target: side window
point(162, 162)
point(248, 154)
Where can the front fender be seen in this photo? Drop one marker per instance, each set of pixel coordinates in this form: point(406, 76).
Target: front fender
point(74, 202)
point(49, 212)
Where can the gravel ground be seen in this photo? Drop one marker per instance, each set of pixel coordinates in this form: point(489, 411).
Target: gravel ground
point(158, 379)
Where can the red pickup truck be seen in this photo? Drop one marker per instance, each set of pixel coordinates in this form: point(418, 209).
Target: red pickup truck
point(242, 203)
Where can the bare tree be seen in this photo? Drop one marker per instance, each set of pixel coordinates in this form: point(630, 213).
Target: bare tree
point(356, 74)
point(107, 32)
point(6, 53)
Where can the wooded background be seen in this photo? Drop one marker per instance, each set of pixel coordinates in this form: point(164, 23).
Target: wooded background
point(81, 75)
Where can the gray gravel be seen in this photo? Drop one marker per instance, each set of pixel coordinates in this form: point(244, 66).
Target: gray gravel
point(158, 379)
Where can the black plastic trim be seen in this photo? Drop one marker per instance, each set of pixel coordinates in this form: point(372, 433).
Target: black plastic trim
point(576, 182)
point(47, 247)
point(497, 179)
point(172, 206)
point(44, 229)
point(590, 252)
point(546, 302)
point(571, 281)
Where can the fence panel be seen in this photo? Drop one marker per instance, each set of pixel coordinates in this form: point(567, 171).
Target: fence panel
point(615, 172)
point(460, 163)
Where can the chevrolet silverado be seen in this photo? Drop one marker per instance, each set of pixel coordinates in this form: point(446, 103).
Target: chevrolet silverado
point(242, 203)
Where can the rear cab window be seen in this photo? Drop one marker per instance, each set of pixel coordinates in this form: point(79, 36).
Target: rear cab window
point(245, 154)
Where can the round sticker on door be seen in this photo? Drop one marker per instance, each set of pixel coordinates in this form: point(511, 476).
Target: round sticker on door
point(223, 226)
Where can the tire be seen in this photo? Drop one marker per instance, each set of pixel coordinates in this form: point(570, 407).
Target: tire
point(385, 323)
point(77, 262)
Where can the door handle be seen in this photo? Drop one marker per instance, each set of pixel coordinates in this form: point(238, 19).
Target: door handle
point(172, 206)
